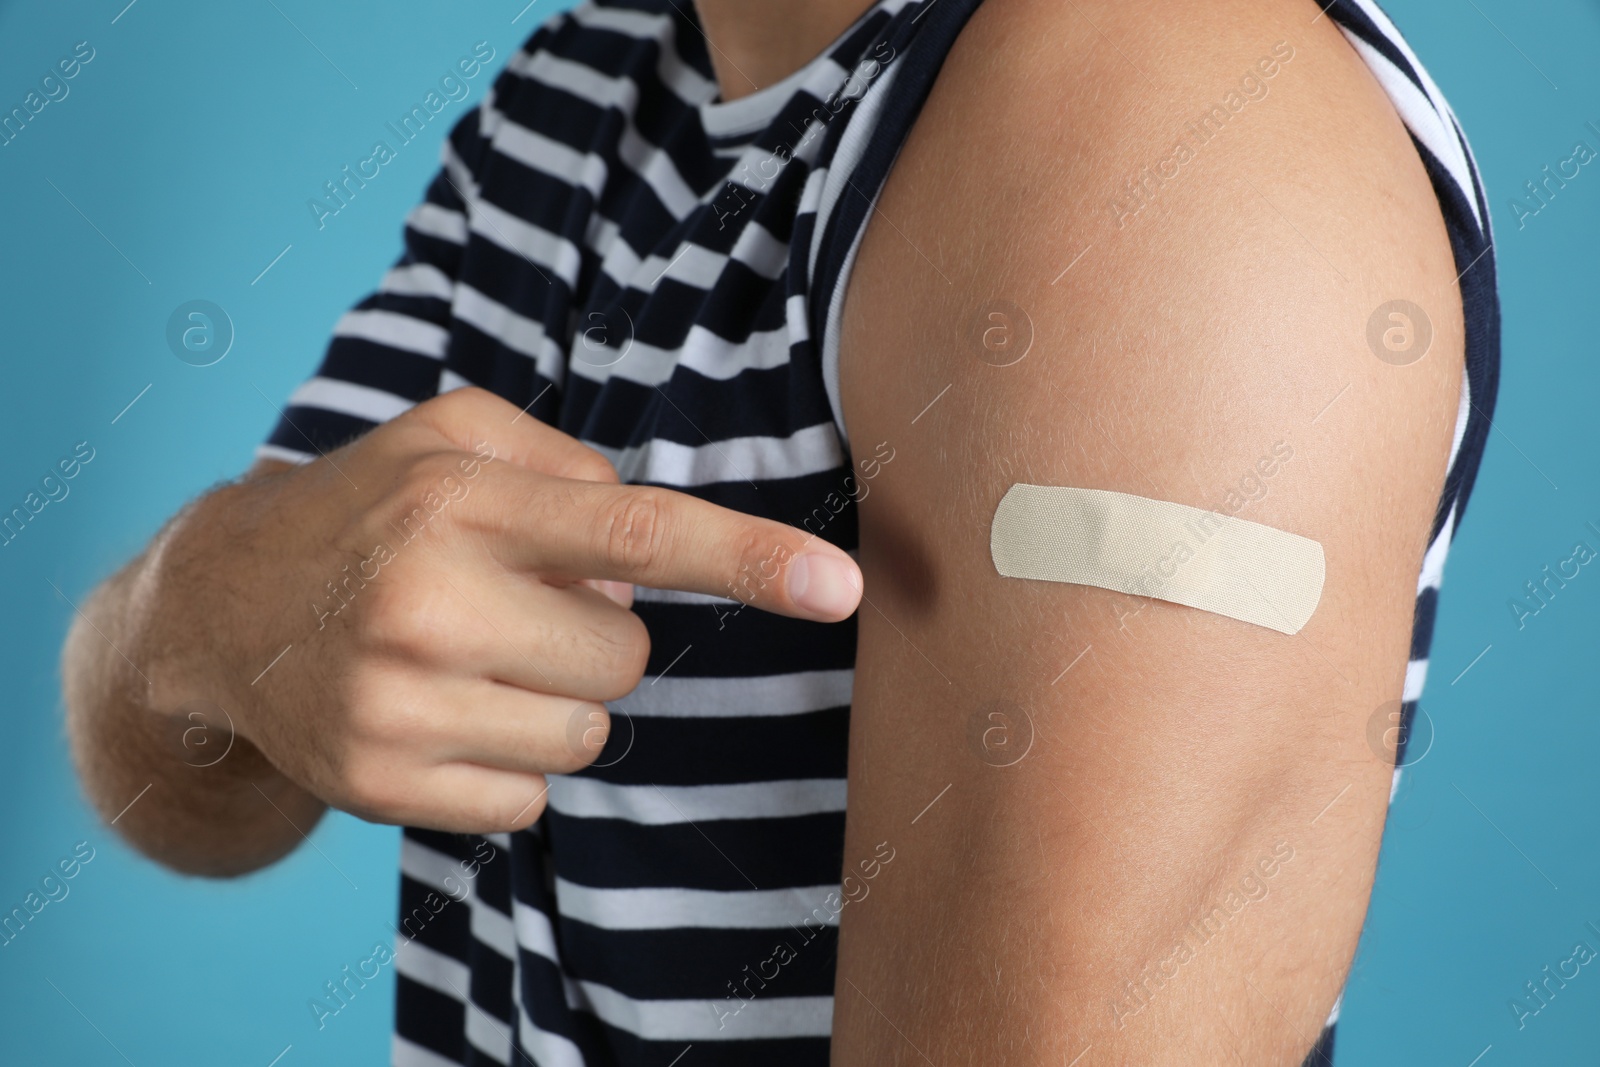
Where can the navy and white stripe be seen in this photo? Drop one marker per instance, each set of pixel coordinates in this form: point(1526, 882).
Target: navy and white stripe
point(659, 273)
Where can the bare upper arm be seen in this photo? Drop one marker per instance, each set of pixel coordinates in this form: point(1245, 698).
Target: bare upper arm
point(1209, 348)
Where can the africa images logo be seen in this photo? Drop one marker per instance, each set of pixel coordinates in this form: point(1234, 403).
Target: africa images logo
point(452, 86)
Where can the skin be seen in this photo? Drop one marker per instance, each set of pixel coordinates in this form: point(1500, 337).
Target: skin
point(1183, 747)
point(752, 48)
point(1167, 764)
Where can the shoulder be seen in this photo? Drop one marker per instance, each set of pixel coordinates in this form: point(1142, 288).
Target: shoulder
point(1140, 131)
point(1084, 96)
point(1156, 192)
point(1185, 222)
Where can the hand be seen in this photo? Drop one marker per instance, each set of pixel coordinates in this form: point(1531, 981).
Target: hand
point(453, 622)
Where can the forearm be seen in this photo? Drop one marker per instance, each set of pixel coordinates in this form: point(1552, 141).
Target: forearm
point(154, 745)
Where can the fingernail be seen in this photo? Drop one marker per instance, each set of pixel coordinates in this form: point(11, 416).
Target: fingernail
point(824, 585)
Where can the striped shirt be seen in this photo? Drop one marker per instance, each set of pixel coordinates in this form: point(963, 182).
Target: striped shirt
point(659, 273)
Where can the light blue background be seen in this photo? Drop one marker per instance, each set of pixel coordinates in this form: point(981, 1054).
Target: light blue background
point(193, 140)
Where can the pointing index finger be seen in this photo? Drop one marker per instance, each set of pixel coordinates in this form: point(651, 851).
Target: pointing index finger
point(664, 539)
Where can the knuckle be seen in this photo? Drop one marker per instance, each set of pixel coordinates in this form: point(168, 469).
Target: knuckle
point(755, 564)
point(421, 496)
point(406, 619)
point(376, 711)
point(437, 474)
point(591, 466)
point(619, 656)
point(588, 730)
point(453, 419)
point(633, 531)
point(455, 403)
point(371, 790)
point(515, 812)
point(628, 655)
point(502, 803)
point(569, 760)
point(370, 723)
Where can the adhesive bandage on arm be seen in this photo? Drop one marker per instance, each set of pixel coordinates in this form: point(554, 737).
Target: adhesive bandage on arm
point(1155, 548)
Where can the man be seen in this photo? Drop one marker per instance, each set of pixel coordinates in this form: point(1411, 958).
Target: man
point(717, 326)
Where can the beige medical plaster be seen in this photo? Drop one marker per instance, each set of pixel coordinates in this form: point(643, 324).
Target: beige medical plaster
point(1155, 548)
